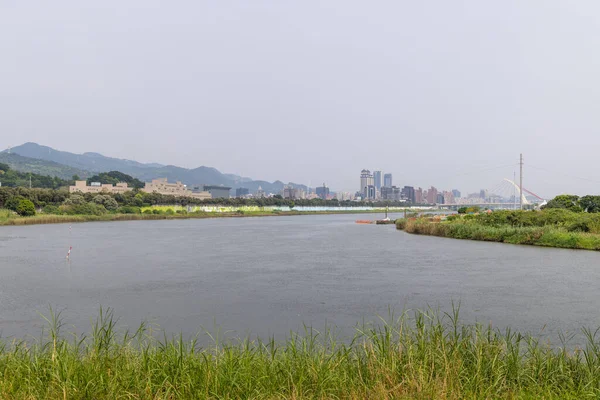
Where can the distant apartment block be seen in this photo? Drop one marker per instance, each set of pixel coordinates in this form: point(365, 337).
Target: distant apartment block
point(242, 192)
point(456, 193)
point(217, 192)
point(377, 180)
point(291, 193)
point(392, 193)
point(440, 198)
point(432, 195)
point(449, 197)
point(387, 180)
point(97, 187)
point(322, 192)
point(408, 194)
point(419, 199)
point(343, 196)
point(162, 186)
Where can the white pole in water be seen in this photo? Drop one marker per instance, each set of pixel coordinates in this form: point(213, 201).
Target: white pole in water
point(69, 253)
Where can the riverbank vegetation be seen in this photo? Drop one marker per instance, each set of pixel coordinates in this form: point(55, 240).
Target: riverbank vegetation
point(421, 355)
point(552, 227)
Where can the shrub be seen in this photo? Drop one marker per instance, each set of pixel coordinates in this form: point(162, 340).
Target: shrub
point(13, 203)
point(83, 209)
point(25, 208)
point(131, 210)
point(400, 223)
point(75, 199)
point(51, 209)
point(148, 211)
point(169, 211)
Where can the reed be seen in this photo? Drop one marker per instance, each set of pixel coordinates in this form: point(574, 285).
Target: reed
point(422, 355)
point(548, 236)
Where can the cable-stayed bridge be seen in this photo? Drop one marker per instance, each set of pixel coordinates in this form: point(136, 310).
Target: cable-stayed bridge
point(506, 195)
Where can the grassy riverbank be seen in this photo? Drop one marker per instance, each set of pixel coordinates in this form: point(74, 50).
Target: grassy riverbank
point(10, 218)
point(550, 228)
point(422, 357)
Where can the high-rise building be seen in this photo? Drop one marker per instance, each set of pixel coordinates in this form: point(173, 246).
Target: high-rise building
point(439, 199)
point(387, 180)
point(432, 195)
point(449, 197)
point(483, 194)
point(366, 180)
point(323, 192)
point(419, 199)
point(241, 192)
point(408, 194)
point(292, 193)
point(343, 196)
point(260, 193)
point(377, 180)
point(392, 193)
point(370, 192)
point(456, 193)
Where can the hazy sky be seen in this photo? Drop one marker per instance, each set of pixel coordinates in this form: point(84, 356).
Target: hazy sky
point(436, 92)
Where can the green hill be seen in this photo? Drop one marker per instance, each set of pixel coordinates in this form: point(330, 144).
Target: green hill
point(96, 163)
point(12, 178)
point(41, 167)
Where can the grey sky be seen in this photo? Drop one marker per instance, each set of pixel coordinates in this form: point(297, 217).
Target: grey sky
point(434, 92)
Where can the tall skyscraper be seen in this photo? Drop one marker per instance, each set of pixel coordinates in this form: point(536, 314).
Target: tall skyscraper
point(456, 193)
point(366, 180)
point(387, 180)
point(377, 179)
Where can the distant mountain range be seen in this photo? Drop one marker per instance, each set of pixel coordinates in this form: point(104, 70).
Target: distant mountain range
point(32, 157)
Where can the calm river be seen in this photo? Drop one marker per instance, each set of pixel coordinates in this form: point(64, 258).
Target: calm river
point(267, 276)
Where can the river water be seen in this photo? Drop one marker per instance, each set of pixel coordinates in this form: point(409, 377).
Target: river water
point(267, 276)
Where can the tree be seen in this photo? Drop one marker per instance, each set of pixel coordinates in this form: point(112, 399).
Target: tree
point(4, 167)
point(567, 201)
point(108, 202)
point(75, 199)
point(25, 208)
point(76, 177)
point(590, 203)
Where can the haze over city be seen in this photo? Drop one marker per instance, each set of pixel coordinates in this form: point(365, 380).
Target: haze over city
point(444, 94)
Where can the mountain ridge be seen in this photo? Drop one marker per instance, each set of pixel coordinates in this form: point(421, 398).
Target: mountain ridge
point(89, 163)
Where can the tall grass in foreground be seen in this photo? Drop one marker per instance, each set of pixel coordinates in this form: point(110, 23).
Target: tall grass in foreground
point(548, 236)
point(423, 356)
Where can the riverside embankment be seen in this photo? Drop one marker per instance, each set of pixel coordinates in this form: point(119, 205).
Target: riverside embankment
point(549, 228)
point(170, 213)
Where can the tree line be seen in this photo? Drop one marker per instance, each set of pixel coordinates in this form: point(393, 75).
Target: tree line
point(588, 203)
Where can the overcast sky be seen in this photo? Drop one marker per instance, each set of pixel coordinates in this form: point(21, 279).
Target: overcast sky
point(443, 93)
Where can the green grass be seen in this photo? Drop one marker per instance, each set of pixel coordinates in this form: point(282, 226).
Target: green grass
point(417, 356)
point(560, 233)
